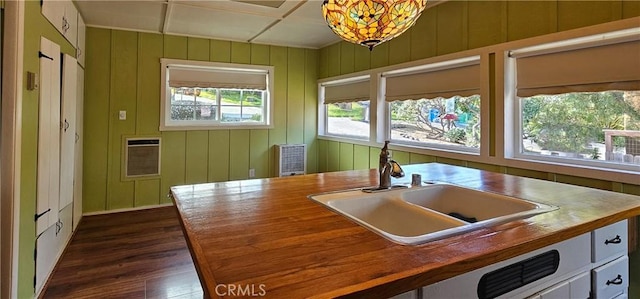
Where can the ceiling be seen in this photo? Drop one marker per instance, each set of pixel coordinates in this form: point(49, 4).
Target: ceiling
point(294, 23)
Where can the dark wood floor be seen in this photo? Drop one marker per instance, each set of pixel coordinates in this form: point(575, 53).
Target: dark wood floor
point(141, 254)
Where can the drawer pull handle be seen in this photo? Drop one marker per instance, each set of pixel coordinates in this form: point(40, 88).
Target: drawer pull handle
point(616, 240)
point(617, 280)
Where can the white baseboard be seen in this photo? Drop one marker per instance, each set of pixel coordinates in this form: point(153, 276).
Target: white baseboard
point(127, 209)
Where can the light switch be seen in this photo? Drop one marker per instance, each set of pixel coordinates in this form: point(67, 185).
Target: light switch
point(122, 115)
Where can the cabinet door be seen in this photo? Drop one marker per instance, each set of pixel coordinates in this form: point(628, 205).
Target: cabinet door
point(610, 280)
point(68, 134)
point(71, 19)
point(53, 10)
point(77, 181)
point(559, 291)
point(81, 41)
point(48, 189)
point(609, 242)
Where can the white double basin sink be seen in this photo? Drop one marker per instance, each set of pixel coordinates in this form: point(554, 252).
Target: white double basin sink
point(421, 214)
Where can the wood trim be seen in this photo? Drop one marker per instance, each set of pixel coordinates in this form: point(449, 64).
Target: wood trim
point(126, 209)
point(10, 151)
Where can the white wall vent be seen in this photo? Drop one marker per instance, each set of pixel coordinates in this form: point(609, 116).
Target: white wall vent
point(142, 157)
point(291, 159)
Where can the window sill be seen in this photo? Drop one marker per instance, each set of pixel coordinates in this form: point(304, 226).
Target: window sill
point(220, 127)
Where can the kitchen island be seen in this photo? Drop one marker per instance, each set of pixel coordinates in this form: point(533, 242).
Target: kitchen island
point(266, 237)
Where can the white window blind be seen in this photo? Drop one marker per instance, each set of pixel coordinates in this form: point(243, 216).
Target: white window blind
point(614, 66)
point(180, 76)
point(347, 92)
point(459, 79)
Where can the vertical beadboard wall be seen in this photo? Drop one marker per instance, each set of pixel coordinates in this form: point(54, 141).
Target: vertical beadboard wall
point(123, 73)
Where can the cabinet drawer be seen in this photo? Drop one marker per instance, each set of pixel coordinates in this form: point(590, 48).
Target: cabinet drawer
point(609, 242)
point(610, 280)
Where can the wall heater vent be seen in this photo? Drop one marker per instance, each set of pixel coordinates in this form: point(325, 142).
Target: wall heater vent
point(142, 157)
point(291, 159)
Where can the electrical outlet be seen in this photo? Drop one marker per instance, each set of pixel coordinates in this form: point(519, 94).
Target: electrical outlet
point(122, 115)
point(252, 173)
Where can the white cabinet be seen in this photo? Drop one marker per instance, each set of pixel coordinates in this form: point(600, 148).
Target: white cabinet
point(611, 280)
point(609, 242)
point(68, 130)
point(610, 276)
point(48, 183)
point(77, 181)
point(80, 45)
point(63, 15)
point(50, 246)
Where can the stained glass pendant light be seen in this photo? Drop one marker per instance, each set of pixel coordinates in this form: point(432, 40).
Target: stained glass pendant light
point(371, 22)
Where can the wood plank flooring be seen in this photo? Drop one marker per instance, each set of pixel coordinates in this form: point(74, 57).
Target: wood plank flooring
point(140, 254)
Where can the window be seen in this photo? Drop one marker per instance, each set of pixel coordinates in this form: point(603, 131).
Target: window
point(204, 95)
point(436, 106)
point(346, 108)
point(578, 102)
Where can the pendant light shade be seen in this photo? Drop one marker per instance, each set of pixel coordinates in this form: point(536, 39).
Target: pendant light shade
point(371, 22)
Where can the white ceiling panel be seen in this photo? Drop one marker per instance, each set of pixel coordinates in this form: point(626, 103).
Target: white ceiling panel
point(195, 21)
point(245, 8)
point(298, 34)
point(133, 15)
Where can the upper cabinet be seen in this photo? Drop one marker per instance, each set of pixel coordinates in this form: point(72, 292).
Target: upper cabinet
point(81, 41)
point(64, 16)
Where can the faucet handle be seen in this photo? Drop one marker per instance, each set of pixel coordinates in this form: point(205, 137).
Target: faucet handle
point(396, 170)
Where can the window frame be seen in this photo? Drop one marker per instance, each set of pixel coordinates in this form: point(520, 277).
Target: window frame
point(166, 124)
point(323, 115)
point(513, 143)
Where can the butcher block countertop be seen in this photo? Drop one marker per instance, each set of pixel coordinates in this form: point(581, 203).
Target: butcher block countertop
point(267, 236)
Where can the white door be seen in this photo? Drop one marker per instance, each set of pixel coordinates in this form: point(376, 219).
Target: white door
point(68, 130)
point(77, 181)
point(48, 188)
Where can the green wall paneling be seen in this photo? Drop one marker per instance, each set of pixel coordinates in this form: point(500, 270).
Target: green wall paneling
point(347, 57)
point(334, 59)
point(323, 63)
point(400, 49)
point(527, 173)
point(260, 54)
point(240, 52)
point(360, 157)
point(198, 49)
point(374, 157)
point(196, 157)
point(419, 158)
point(571, 13)
point(452, 27)
point(218, 161)
point(278, 135)
point(362, 58)
point(484, 28)
point(311, 109)
point(400, 157)
point(259, 152)
point(451, 161)
point(147, 192)
point(124, 62)
point(531, 18)
point(346, 156)
point(587, 182)
point(173, 161)
point(295, 96)
point(174, 46)
point(239, 156)
point(423, 35)
point(333, 157)
point(630, 9)
point(96, 107)
point(485, 166)
point(259, 138)
point(148, 98)
point(631, 189)
point(323, 152)
point(379, 55)
point(220, 51)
